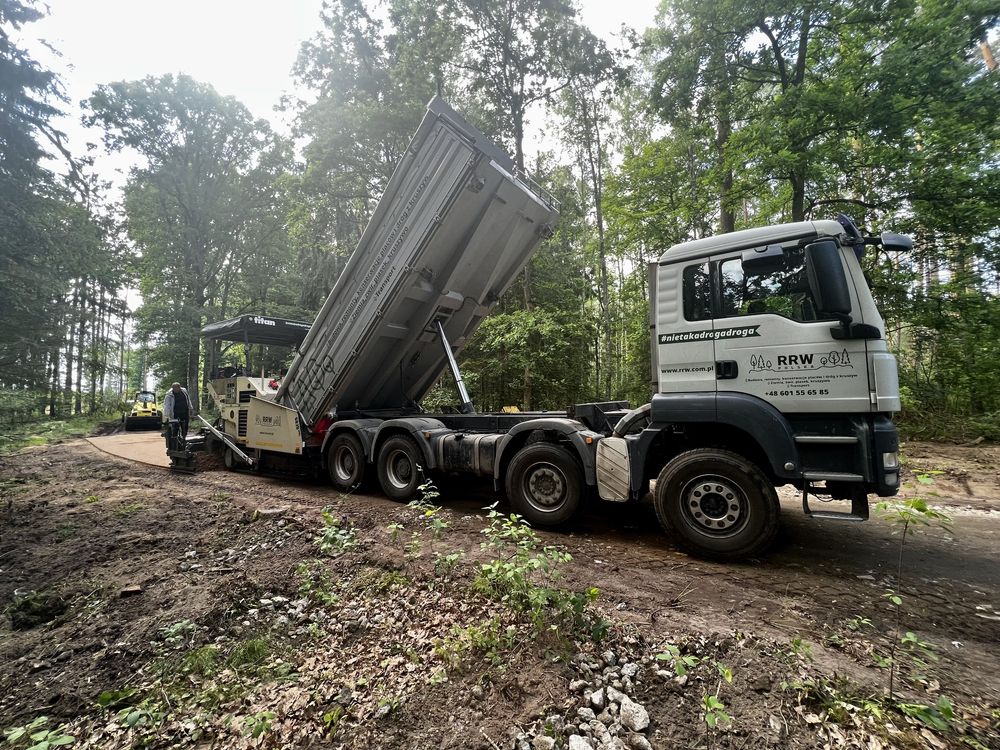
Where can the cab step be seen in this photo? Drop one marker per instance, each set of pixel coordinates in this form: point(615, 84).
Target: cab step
point(859, 506)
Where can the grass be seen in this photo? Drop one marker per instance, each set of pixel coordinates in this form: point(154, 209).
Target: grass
point(14, 437)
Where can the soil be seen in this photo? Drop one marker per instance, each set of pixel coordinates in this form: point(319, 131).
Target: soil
point(147, 608)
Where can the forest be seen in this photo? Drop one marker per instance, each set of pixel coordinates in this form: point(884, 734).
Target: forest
point(724, 115)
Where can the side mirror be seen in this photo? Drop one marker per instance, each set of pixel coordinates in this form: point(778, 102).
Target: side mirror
point(827, 279)
point(761, 261)
point(896, 242)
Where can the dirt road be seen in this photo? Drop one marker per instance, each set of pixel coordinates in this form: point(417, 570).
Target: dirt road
point(115, 557)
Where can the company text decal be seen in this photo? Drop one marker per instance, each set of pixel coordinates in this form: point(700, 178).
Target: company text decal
point(737, 332)
point(798, 362)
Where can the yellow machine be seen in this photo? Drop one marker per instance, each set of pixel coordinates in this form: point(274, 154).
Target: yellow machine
point(144, 414)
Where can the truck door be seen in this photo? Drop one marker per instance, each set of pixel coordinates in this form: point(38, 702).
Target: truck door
point(685, 353)
point(770, 341)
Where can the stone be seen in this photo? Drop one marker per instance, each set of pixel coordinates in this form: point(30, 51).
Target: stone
point(271, 512)
point(637, 742)
point(576, 742)
point(609, 658)
point(615, 696)
point(633, 716)
point(762, 684)
point(541, 742)
point(605, 717)
point(132, 590)
point(597, 700)
point(578, 686)
point(477, 692)
point(586, 714)
point(629, 669)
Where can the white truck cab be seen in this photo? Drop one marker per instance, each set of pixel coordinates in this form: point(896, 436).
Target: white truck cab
point(770, 367)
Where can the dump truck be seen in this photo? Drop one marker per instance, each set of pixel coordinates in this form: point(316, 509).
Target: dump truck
point(769, 366)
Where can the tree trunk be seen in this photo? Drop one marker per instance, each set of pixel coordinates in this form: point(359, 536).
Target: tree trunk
point(798, 182)
point(80, 339)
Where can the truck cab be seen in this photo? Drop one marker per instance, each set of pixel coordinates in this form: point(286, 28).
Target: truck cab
point(770, 367)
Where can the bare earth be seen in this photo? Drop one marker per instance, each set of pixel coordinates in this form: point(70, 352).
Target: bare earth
point(183, 606)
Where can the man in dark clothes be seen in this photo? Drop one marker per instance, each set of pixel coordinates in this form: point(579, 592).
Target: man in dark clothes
point(177, 408)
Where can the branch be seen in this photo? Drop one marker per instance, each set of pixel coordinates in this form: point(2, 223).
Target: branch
point(778, 58)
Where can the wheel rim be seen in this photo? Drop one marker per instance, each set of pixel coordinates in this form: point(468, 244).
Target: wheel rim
point(714, 505)
point(399, 469)
point(344, 463)
point(545, 487)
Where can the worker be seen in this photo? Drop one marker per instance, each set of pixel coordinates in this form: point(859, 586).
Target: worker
point(177, 411)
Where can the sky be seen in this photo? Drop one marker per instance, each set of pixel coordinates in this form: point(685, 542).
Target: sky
point(244, 48)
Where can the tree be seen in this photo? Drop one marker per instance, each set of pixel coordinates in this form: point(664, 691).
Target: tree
point(199, 208)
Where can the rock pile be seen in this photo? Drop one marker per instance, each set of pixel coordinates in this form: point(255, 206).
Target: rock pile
point(605, 716)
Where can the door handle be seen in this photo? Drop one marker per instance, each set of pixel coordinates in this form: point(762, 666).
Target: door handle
point(726, 369)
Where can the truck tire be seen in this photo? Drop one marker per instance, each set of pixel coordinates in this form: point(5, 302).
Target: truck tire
point(716, 504)
point(346, 463)
point(399, 468)
point(544, 484)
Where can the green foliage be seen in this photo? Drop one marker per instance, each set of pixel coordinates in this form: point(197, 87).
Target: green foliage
point(335, 537)
point(17, 435)
point(491, 642)
point(35, 736)
point(714, 712)
point(937, 716)
point(523, 578)
point(315, 583)
point(258, 724)
point(682, 663)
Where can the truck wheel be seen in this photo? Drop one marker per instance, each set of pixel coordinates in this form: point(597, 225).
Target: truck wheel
point(345, 462)
point(544, 484)
point(229, 459)
point(714, 503)
point(399, 468)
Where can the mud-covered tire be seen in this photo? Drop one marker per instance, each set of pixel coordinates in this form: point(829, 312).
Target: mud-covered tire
point(398, 467)
point(229, 459)
point(544, 484)
point(346, 463)
point(716, 504)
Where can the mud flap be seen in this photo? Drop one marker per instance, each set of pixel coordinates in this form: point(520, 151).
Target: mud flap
point(613, 470)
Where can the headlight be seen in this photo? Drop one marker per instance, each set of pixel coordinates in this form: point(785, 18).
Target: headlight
point(890, 460)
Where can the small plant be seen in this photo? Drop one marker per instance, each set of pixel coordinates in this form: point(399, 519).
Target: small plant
point(491, 641)
point(139, 717)
point(249, 653)
point(904, 516)
point(201, 661)
point(35, 736)
point(331, 719)
point(220, 497)
point(523, 577)
point(445, 564)
point(127, 510)
point(315, 583)
point(682, 663)
point(856, 623)
point(258, 724)
point(394, 529)
point(91, 499)
point(801, 648)
point(714, 711)
point(939, 716)
point(335, 537)
point(414, 546)
point(177, 633)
